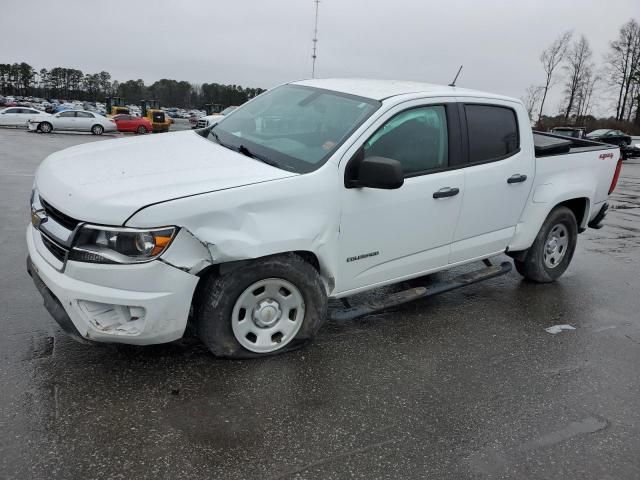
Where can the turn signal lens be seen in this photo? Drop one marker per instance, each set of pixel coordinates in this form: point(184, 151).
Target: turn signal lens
point(161, 242)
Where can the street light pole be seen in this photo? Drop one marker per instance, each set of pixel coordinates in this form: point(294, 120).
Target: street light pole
point(315, 43)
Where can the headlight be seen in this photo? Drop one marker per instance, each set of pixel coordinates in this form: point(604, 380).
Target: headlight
point(97, 244)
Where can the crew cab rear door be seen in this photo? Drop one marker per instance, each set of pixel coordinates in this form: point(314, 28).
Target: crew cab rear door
point(386, 235)
point(498, 176)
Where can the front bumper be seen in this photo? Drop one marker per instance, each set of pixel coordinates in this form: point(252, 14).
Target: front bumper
point(139, 304)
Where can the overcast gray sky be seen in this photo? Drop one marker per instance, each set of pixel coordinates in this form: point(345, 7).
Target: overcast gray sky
point(263, 43)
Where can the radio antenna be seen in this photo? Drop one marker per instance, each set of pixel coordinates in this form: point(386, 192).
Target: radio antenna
point(315, 43)
point(453, 84)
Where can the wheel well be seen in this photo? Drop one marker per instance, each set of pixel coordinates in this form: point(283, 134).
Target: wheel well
point(310, 258)
point(223, 268)
point(579, 208)
point(220, 269)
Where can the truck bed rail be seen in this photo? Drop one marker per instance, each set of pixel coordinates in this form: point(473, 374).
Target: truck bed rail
point(548, 144)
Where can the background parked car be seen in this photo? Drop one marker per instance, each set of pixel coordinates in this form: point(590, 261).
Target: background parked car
point(131, 123)
point(209, 119)
point(613, 137)
point(72, 120)
point(17, 116)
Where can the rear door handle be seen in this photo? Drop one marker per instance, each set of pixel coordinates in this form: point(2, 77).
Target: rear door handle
point(517, 178)
point(446, 192)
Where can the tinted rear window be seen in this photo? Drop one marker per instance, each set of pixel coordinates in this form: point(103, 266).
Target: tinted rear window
point(493, 132)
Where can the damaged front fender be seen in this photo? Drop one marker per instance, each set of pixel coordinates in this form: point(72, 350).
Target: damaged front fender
point(188, 254)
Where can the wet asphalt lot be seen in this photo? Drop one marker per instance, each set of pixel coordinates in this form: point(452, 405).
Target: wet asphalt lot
point(464, 385)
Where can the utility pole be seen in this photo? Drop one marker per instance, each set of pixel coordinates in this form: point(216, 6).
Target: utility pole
point(315, 43)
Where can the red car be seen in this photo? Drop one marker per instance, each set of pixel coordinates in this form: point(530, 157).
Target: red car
point(129, 123)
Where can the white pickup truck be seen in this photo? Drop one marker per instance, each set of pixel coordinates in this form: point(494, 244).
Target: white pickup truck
point(313, 190)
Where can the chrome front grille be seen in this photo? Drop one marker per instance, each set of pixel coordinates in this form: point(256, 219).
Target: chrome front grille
point(55, 228)
point(64, 220)
point(56, 250)
point(201, 124)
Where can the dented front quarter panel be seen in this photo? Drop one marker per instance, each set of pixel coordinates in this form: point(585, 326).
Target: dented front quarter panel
point(188, 253)
point(299, 213)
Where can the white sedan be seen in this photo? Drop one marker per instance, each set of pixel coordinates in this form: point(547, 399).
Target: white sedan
point(72, 120)
point(18, 116)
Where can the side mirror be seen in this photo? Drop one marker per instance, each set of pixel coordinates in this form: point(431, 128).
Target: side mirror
point(378, 172)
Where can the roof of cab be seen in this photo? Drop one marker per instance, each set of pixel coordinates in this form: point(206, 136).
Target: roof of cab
point(381, 89)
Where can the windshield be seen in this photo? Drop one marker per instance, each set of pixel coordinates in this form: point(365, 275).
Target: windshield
point(293, 127)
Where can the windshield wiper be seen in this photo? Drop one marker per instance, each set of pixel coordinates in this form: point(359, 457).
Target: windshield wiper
point(245, 151)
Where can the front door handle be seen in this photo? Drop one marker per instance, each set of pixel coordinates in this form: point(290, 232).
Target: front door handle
point(517, 178)
point(446, 192)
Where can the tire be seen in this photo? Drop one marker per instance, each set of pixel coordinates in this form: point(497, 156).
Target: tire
point(553, 248)
point(221, 320)
point(141, 130)
point(97, 129)
point(45, 127)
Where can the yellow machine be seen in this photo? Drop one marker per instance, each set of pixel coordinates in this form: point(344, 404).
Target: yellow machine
point(159, 119)
point(116, 106)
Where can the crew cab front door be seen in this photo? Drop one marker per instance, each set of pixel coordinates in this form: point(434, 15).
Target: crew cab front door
point(498, 178)
point(387, 235)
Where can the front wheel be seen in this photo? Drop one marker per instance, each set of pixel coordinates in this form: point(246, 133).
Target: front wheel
point(45, 127)
point(97, 129)
point(268, 306)
point(141, 130)
point(553, 248)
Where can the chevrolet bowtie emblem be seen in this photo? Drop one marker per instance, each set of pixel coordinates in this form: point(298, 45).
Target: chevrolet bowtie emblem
point(38, 217)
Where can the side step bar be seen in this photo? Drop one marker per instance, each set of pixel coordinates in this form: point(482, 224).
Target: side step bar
point(412, 294)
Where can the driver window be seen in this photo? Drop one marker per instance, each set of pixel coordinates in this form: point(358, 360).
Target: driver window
point(67, 114)
point(417, 138)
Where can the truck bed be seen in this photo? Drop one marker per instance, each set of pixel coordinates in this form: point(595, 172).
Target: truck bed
point(573, 163)
point(548, 144)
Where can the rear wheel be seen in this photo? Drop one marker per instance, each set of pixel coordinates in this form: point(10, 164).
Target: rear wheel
point(553, 248)
point(272, 305)
point(45, 127)
point(97, 129)
point(141, 130)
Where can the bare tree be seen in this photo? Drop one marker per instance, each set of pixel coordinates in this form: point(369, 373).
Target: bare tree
point(550, 59)
point(585, 93)
point(577, 64)
point(531, 98)
point(623, 60)
point(634, 96)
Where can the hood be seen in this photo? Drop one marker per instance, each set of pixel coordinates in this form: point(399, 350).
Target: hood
point(107, 181)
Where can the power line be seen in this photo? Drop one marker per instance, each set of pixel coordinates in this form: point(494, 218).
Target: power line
point(315, 42)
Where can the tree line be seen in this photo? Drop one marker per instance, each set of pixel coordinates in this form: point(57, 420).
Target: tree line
point(568, 62)
point(73, 84)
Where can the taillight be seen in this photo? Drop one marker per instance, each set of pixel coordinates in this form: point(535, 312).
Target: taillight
point(616, 175)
